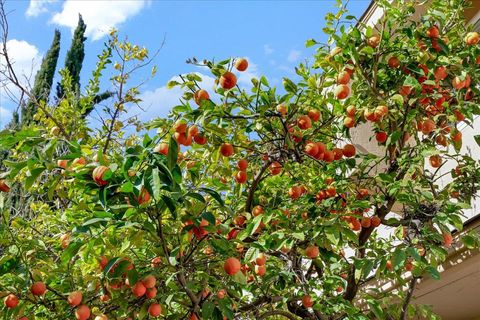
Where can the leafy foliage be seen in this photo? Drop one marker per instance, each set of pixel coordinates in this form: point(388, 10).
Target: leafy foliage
point(272, 177)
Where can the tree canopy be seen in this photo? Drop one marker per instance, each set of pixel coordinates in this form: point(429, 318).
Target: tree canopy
point(251, 202)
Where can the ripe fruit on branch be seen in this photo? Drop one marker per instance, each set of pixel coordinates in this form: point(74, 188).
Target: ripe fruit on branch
point(381, 137)
point(139, 289)
point(295, 192)
point(257, 210)
point(228, 80)
point(307, 301)
point(312, 252)
point(328, 156)
point(75, 298)
point(314, 115)
point(349, 150)
point(389, 265)
point(381, 111)
point(226, 150)
point(447, 239)
point(38, 288)
point(221, 293)
point(275, 168)
point(337, 153)
point(311, 149)
point(83, 312)
point(3, 186)
point(101, 317)
point(440, 73)
point(373, 41)
point(241, 177)
point(260, 270)
point(155, 310)
point(180, 126)
point(232, 266)
point(151, 293)
point(304, 122)
point(342, 91)
point(161, 148)
point(261, 259)
point(149, 281)
point(200, 95)
point(375, 221)
point(351, 111)
point(98, 174)
point(282, 109)
point(435, 161)
point(61, 163)
point(199, 139)
point(433, 32)
point(242, 164)
point(241, 64)
point(193, 130)
point(393, 62)
point(143, 197)
point(349, 122)
point(343, 77)
point(10, 301)
point(472, 38)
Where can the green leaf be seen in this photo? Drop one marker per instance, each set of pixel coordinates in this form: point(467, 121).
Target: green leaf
point(214, 195)
point(239, 277)
point(207, 310)
point(71, 251)
point(399, 257)
point(170, 205)
point(156, 184)
point(32, 176)
point(310, 42)
point(172, 153)
point(376, 309)
point(433, 272)
point(110, 265)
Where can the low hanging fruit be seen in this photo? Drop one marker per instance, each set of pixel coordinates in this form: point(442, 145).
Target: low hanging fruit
point(226, 150)
point(232, 266)
point(228, 80)
point(155, 310)
point(312, 252)
point(38, 288)
point(98, 175)
point(241, 64)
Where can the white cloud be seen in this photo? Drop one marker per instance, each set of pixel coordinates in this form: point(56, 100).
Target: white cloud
point(100, 16)
point(293, 55)
point(37, 7)
point(159, 102)
point(5, 116)
point(268, 49)
point(25, 59)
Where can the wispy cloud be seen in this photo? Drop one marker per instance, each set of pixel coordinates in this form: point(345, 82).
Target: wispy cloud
point(293, 55)
point(100, 16)
point(37, 7)
point(158, 102)
point(267, 49)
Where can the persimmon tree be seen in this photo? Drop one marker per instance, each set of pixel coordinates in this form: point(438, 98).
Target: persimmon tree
point(251, 202)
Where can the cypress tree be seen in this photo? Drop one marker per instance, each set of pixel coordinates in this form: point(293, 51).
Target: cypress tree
point(74, 57)
point(43, 79)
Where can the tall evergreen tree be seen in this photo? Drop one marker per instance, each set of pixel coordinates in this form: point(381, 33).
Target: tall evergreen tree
point(74, 57)
point(43, 79)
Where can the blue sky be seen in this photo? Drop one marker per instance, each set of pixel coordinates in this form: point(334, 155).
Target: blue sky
point(270, 33)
